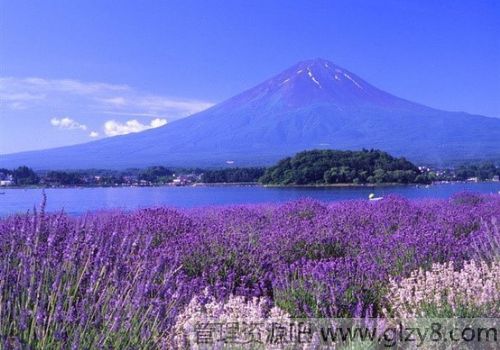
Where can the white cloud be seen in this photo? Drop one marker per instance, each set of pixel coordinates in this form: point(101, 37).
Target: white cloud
point(62, 85)
point(83, 107)
point(114, 128)
point(118, 101)
point(130, 114)
point(18, 100)
point(67, 123)
point(22, 96)
point(156, 106)
point(91, 98)
point(159, 104)
point(157, 122)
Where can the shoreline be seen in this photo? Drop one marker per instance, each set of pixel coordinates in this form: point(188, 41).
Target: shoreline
point(250, 184)
point(342, 185)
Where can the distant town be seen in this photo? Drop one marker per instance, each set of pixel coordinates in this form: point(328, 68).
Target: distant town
point(24, 176)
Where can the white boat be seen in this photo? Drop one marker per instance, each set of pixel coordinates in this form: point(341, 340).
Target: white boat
point(373, 198)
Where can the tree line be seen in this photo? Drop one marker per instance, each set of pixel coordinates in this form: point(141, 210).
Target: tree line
point(154, 175)
point(321, 167)
point(317, 167)
point(483, 171)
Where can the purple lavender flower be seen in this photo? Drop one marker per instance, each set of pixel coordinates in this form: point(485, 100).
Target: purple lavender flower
point(117, 279)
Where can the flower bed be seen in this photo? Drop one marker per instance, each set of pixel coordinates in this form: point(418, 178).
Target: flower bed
point(121, 280)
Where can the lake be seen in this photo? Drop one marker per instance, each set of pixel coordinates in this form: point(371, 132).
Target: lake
point(77, 201)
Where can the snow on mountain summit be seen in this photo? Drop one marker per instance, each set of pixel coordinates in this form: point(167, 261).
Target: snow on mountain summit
point(318, 81)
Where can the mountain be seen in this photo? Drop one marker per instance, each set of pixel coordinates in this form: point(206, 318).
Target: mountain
point(314, 104)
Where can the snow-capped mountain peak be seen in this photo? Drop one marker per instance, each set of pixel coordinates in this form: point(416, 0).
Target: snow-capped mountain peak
point(313, 104)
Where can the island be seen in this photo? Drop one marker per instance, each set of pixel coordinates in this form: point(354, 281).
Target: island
point(334, 167)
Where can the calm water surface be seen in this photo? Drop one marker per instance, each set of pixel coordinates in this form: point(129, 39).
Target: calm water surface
point(77, 201)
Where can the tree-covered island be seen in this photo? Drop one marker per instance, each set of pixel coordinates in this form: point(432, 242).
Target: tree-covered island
point(327, 167)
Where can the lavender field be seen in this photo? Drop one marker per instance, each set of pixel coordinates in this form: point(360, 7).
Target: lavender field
point(119, 280)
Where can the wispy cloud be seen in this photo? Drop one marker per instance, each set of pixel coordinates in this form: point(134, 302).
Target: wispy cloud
point(67, 123)
point(17, 100)
point(149, 105)
point(60, 85)
point(20, 96)
point(92, 98)
point(114, 128)
point(93, 134)
point(130, 114)
point(118, 101)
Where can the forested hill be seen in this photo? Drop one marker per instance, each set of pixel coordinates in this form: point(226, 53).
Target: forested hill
point(319, 167)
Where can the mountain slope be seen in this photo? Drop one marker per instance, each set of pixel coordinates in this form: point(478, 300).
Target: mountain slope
point(314, 104)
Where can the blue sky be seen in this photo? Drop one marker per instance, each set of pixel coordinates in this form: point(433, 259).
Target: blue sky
point(74, 71)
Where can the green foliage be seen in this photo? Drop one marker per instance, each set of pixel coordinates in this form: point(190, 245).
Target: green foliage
point(156, 174)
point(232, 175)
point(313, 251)
point(445, 310)
point(483, 171)
point(335, 167)
point(298, 300)
point(25, 176)
point(64, 178)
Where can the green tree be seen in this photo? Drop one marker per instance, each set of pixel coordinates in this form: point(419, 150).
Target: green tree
point(332, 166)
point(154, 173)
point(379, 175)
point(25, 176)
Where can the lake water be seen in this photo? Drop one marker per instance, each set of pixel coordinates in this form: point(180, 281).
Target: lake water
point(77, 201)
